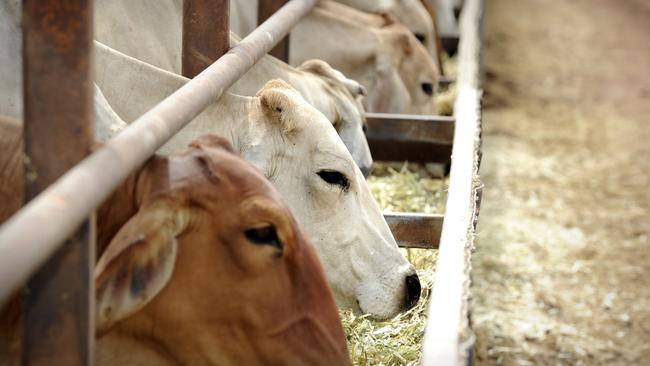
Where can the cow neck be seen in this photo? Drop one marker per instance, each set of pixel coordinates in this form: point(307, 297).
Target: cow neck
point(121, 348)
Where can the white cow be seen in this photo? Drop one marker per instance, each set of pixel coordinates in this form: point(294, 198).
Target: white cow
point(381, 51)
point(328, 90)
point(243, 16)
point(107, 123)
point(297, 148)
point(385, 57)
point(150, 31)
point(411, 13)
point(299, 152)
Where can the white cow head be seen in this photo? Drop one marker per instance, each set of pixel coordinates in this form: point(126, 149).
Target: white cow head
point(307, 162)
point(386, 58)
point(410, 12)
point(415, 67)
point(348, 112)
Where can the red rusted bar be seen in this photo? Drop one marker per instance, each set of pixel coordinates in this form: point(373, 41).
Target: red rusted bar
point(266, 8)
point(58, 130)
point(206, 34)
point(60, 209)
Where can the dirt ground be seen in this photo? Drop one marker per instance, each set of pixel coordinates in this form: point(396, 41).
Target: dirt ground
point(562, 267)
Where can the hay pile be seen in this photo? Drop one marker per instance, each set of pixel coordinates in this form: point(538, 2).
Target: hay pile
point(444, 99)
point(450, 64)
point(397, 341)
point(405, 187)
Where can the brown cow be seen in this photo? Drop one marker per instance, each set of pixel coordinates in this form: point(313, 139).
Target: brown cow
point(207, 266)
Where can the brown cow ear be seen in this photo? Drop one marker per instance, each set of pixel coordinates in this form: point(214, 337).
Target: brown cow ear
point(138, 262)
point(278, 102)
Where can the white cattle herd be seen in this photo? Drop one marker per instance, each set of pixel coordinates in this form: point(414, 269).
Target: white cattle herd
point(301, 125)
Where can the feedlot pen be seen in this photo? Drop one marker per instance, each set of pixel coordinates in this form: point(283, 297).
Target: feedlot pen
point(59, 329)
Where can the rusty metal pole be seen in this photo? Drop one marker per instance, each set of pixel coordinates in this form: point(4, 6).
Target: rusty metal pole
point(58, 131)
point(206, 34)
point(266, 8)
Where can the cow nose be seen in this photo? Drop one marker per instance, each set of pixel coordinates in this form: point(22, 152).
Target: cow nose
point(427, 88)
point(365, 170)
point(412, 290)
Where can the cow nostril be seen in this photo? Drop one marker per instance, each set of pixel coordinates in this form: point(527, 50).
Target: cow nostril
point(427, 88)
point(365, 170)
point(412, 290)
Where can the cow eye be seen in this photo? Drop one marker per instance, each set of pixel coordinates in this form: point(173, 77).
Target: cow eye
point(335, 178)
point(427, 88)
point(421, 37)
point(265, 235)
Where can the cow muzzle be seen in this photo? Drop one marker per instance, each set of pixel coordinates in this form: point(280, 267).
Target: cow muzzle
point(413, 289)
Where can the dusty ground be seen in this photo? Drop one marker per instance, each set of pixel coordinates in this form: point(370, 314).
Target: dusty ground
point(562, 269)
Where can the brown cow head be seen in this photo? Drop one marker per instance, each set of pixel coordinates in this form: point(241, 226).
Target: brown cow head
point(214, 269)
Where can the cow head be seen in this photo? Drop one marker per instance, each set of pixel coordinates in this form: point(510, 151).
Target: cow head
point(214, 269)
point(414, 15)
point(307, 162)
point(386, 58)
point(409, 12)
point(415, 67)
point(348, 112)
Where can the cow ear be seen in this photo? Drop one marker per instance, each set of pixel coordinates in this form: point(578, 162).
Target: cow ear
point(401, 38)
point(212, 141)
point(138, 262)
point(278, 102)
point(388, 18)
point(405, 42)
point(323, 69)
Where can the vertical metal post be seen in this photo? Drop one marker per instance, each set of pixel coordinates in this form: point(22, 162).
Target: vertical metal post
point(206, 34)
point(58, 133)
point(265, 9)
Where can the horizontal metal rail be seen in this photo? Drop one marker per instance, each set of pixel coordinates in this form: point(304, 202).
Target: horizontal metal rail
point(409, 137)
point(415, 230)
point(29, 237)
point(445, 81)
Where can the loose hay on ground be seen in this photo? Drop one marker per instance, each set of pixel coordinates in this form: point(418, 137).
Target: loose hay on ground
point(399, 187)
